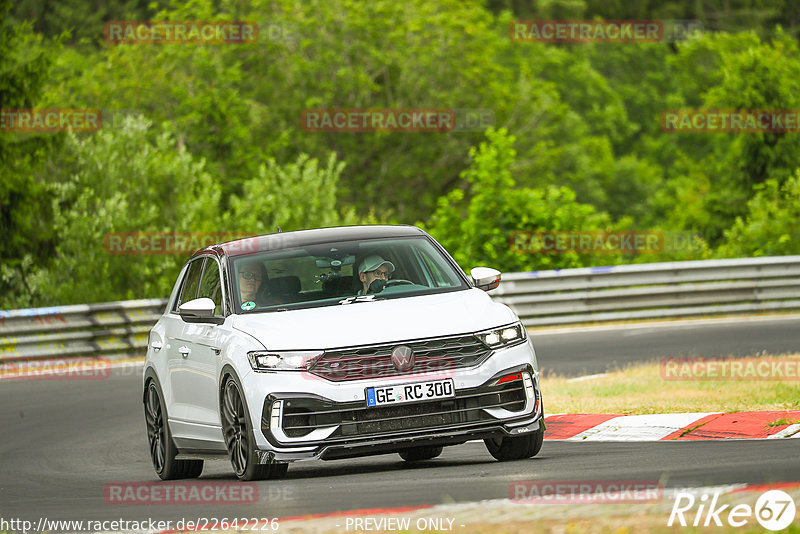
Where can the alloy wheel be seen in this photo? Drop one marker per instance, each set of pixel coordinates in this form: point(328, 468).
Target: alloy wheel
point(236, 434)
point(156, 434)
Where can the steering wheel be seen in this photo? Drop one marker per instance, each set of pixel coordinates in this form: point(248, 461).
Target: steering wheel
point(399, 282)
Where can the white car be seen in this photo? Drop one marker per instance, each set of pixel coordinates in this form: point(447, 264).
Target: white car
point(335, 343)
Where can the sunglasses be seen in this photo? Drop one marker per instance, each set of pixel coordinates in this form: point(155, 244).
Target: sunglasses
point(247, 275)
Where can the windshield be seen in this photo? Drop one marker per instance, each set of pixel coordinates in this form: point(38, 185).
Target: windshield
point(334, 273)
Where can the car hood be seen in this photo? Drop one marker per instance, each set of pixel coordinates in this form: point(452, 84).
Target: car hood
point(382, 321)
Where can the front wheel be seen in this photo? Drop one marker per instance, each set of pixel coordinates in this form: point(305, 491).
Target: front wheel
point(162, 448)
point(240, 441)
point(517, 447)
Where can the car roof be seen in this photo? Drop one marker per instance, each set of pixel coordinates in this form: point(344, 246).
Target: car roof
point(301, 238)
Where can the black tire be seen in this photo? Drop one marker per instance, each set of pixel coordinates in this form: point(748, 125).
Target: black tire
point(239, 439)
point(420, 453)
point(278, 470)
point(516, 448)
point(162, 448)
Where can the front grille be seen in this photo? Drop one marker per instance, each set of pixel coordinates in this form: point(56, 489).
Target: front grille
point(301, 416)
point(430, 355)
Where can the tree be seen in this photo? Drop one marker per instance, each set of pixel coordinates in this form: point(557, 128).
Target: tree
point(83, 20)
point(763, 77)
point(477, 229)
point(298, 195)
point(28, 239)
point(711, 176)
point(772, 224)
point(135, 178)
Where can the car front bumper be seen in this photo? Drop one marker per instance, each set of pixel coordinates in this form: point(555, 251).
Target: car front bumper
point(326, 420)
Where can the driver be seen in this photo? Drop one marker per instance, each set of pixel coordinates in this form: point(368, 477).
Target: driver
point(374, 272)
point(252, 277)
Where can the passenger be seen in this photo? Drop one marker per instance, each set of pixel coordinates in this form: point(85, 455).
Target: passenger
point(374, 272)
point(252, 276)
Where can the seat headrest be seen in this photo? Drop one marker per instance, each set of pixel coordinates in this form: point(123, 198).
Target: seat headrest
point(284, 285)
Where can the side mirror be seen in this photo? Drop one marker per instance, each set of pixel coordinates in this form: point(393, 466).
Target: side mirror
point(485, 278)
point(199, 311)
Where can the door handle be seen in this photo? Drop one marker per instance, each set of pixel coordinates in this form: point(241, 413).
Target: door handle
point(156, 345)
point(184, 350)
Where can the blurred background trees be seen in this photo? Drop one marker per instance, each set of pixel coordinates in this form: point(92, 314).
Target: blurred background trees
point(209, 137)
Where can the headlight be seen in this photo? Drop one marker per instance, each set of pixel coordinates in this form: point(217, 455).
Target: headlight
point(503, 337)
point(263, 360)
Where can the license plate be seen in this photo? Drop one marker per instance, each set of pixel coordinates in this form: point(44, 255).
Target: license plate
point(419, 391)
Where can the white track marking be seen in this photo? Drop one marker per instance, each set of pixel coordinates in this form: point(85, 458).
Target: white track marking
point(587, 377)
point(791, 431)
point(652, 427)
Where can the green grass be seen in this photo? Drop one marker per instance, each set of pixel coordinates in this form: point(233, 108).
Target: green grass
point(640, 389)
point(783, 421)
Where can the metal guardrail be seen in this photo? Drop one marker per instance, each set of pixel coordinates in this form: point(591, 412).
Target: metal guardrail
point(109, 329)
point(652, 290)
point(559, 297)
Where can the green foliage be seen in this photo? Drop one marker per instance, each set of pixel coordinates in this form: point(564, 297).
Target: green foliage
point(772, 224)
point(714, 15)
point(708, 178)
point(24, 201)
point(478, 229)
point(760, 77)
point(577, 143)
point(278, 197)
point(132, 179)
point(79, 17)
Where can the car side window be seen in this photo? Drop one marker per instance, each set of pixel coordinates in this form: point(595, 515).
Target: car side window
point(210, 286)
point(190, 283)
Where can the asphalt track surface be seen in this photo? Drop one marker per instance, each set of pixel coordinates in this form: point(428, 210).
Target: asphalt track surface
point(62, 441)
point(585, 351)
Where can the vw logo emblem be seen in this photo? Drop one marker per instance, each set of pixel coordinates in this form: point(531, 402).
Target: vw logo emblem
point(402, 358)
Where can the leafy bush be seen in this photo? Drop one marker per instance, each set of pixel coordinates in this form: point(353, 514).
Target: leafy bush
point(132, 179)
point(294, 196)
point(770, 227)
point(139, 178)
point(476, 226)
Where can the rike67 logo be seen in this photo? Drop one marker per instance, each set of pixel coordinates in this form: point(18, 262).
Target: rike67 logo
point(774, 510)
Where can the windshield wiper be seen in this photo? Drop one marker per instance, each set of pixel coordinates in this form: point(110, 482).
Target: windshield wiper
point(360, 298)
